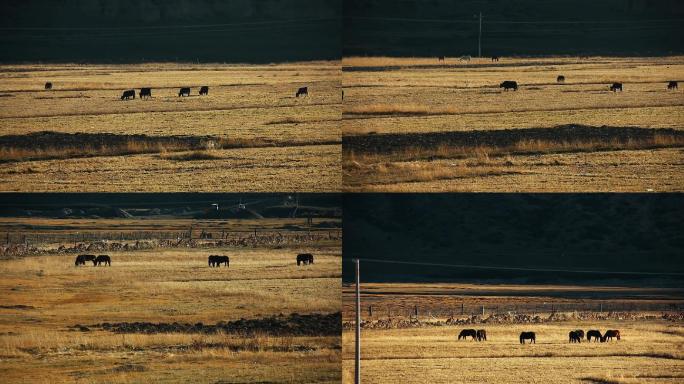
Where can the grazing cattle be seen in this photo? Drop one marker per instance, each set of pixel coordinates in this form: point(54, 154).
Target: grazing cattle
point(128, 94)
point(616, 86)
point(48, 85)
point(481, 335)
point(574, 337)
point(531, 336)
point(495, 58)
point(102, 259)
point(508, 84)
point(595, 334)
point(467, 332)
point(302, 91)
point(610, 334)
point(670, 85)
point(204, 90)
point(81, 259)
point(441, 58)
point(580, 333)
point(305, 258)
point(184, 92)
point(560, 79)
point(217, 260)
point(145, 92)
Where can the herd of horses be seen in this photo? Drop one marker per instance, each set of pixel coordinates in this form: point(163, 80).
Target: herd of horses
point(146, 92)
point(510, 84)
point(575, 336)
point(213, 260)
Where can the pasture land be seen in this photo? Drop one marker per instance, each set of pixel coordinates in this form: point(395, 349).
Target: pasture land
point(251, 130)
point(650, 349)
point(415, 124)
point(53, 313)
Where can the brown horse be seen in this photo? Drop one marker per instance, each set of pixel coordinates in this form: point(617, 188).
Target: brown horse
point(610, 334)
point(103, 259)
point(481, 335)
point(574, 337)
point(531, 336)
point(596, 334)
point(468, 332)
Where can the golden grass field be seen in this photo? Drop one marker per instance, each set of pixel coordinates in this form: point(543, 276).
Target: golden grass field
point(420, 96)
point(650, 350)
point(165, 285)
point(280, 139)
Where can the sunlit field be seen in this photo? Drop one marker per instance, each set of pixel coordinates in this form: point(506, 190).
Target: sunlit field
point(250, 130)
point(417, 124)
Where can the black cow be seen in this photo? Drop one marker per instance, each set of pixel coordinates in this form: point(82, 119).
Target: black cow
point(495, 58)
point(440, 58)
point(616, 86)
point(467, 332)
point(670, 85)
point(305, 258)
point(302, 91)
point(595, 334)
point(102, 259)
point(145, 92)
point(48, 85)
point(217, 260)
point(509, 84)
point(574, 337)
point(204, 90)
point(184, 92)
point(560, 79)
point(128, 94)
point(481, 335)
point(531, 336)
point(81, 259)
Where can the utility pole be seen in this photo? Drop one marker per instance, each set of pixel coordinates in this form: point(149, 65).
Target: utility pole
point(479, 38)
point(357, 373)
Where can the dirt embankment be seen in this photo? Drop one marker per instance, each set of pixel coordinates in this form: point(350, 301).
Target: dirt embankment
point(514, 319)
point(281, 325)
point(510, 138)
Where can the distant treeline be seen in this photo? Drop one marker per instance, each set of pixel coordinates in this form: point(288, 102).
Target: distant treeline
point(565, 233)
point(169, 30)
point(521, 27)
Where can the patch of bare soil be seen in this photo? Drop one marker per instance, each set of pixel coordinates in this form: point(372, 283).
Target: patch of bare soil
point(281, 325)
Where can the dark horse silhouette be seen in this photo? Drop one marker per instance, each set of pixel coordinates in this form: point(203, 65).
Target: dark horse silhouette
point(580, 333)
point(145, 92)
point(560, 79)
point(204, 90)
point(184, 92)
point(616, 86)
point(593, 333)
point(217, 260)
point(440, 58)
point(481, 335)
point(305, 258)
point(129, 94)
point(610, 334)
point(531, 336)
point(495, 58)
point(81, 259)
point(509, 84)
point(302, 91)
point(574, 337)
point(467, 332)
point(48, 85)
point(102, 259)
point(670, 85)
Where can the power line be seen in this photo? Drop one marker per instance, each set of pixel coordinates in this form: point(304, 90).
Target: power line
point(447, 21)
point(520, 269)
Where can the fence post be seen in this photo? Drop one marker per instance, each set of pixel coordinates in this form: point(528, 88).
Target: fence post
point(415, 311)
point(462, 309)
point(370, 311)
point(483, 310)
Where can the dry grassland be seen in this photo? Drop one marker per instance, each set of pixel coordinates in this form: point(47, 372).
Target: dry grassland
point(421, 96)
point(650, 350)
point(248, 107)
point(44, 295)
